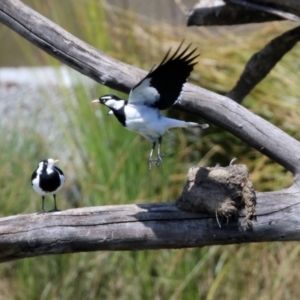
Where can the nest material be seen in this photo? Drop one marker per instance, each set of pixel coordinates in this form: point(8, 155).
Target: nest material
point(219, 191)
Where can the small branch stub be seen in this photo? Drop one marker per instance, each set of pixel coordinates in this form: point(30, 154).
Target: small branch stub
point(219, 191)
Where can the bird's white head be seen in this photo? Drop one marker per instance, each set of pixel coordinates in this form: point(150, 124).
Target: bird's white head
point(52, 161)
point(46, 164)
point(110, 101)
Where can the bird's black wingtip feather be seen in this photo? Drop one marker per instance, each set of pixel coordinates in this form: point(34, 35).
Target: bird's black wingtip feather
point(183, 55)
point(165, 59)
point(190, 60)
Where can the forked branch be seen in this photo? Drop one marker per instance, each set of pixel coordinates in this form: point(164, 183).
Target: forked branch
point(262, 62)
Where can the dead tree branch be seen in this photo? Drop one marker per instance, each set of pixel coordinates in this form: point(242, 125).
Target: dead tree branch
point(262, 62)
point(141, 227)
point(234, 12)
point(267, 7)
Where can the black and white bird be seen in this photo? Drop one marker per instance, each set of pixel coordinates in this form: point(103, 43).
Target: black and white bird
point(47, 179)
point(159, 90)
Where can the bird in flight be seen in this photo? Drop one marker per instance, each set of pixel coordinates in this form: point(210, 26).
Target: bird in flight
point(47, 179)
point(159, 90)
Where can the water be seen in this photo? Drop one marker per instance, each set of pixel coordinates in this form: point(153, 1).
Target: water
point(32, 100)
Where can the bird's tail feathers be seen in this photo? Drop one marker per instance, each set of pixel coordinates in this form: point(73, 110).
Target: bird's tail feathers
point(173, 123)
point(192, 124)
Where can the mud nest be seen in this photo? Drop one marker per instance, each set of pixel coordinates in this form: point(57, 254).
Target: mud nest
point(219, 191)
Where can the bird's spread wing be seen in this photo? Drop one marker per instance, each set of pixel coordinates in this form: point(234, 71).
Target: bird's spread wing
point(162, 87)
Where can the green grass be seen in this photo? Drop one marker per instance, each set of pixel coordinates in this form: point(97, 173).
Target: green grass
point(103, 169)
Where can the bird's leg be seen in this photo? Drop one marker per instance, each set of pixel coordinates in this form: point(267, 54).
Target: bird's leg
point(55, 207)
point(150, 161)
point(43, 211)
point(159, 155)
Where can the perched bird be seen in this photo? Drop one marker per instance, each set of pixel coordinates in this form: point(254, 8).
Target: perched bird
point(47, 179)
point(159, 90)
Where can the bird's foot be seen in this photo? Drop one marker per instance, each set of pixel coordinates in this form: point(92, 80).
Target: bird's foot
point(54, 209)
point(150, 163)
point(41, 212)
point(159, 160)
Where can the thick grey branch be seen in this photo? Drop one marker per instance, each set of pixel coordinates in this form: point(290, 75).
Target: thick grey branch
point(249, 127)
point(269, 8)
point(220, 110)
point(262, 62)
point(233, 12)
point(292, 6)
point(146, 226)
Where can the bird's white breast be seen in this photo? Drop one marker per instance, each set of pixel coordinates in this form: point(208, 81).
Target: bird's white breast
point(145, 120)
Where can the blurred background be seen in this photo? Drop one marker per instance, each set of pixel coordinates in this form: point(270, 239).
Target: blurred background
point(46, 112)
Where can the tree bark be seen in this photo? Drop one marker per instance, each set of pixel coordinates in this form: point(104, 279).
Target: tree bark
point(144, 226)
point(234, 12)
point(128, 227)
point(262, 62)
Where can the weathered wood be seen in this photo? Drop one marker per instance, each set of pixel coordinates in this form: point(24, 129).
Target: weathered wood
point(262, 62)
point(292, 6)
point(267, 7)
point(220, 110)
point(144, 226)
point(211, 13)
point(233, 12)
